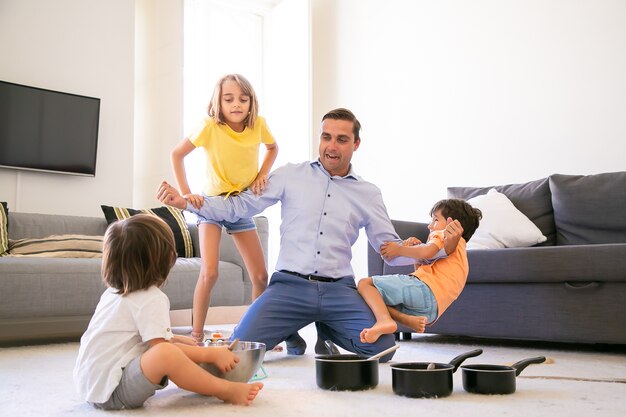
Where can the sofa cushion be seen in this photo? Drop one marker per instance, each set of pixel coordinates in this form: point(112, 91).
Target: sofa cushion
point(601, 263)
point(531, 198)
point(58, 246)
point(171, 215)
point(32, 225)
point(4, 235)
point(589, 208)
point(502, 225)
point(576, 265)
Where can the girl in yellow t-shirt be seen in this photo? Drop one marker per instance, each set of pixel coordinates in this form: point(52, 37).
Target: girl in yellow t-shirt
point(230, 137)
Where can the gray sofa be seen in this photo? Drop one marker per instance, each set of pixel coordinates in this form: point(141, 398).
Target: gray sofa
point(43, 299)
point(570, 288)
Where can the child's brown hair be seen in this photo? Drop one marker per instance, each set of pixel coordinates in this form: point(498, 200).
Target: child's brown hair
point(460, 210)
point(215, 106)
point(138, 252)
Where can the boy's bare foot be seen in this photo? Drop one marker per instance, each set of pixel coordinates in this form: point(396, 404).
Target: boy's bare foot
point(379, 328)
point(417, 323)
point(240, 393)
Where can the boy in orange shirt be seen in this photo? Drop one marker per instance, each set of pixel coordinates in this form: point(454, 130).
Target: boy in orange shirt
point(421, 297)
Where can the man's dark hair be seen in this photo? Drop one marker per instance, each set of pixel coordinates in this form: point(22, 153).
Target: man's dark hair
point(345, 114)
point(460, 210)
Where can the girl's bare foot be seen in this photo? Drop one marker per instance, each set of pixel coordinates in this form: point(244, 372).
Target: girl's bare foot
point(379, 328)
point(239, 393)
point(417, 323)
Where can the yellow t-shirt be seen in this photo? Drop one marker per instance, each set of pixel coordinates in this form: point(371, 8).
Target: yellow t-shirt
point(232, 157)
point(445, 277)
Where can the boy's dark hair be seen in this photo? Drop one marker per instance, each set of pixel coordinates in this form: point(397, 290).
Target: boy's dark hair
point(138, 252)
point(460, 210)
point(345, 114)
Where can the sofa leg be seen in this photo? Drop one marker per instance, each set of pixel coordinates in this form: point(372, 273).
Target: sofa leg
point(407, 335)
point(396, 336)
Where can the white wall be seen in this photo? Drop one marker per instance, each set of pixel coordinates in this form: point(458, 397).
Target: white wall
point(83, 47)
point(448, 92)
point(158, 95)
point(473, 93)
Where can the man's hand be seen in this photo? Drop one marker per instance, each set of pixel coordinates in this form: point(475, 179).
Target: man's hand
point(451, 235)
point(170, 196)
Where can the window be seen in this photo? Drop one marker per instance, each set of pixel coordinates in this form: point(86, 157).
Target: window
point(267, 41)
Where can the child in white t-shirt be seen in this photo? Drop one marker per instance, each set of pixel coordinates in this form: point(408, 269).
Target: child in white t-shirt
point(128, 351)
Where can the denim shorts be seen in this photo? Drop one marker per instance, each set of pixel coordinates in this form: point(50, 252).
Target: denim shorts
point(242, 225)
point(133, 390)
point(407, 294)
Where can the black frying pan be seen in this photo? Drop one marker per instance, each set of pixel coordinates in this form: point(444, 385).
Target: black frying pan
point(348, 372)
point(494, 379)
point(424, 379)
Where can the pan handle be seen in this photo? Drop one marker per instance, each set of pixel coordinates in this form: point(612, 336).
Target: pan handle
point(459, 359)
point(521, 365)
point(332, 349)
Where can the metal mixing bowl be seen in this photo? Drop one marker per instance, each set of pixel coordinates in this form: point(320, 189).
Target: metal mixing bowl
point(250, 359)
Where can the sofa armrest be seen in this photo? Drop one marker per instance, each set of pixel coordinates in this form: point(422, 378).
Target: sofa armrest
point(405, 229)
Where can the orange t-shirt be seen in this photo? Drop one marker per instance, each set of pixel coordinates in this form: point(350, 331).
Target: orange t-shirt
point(445, 277)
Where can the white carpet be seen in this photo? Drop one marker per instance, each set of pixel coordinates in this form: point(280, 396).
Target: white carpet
point(37, 381)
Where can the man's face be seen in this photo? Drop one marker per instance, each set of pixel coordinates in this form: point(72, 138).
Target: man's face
point(337, 146)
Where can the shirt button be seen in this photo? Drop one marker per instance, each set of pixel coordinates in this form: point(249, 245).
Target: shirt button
point(324, 214)
point(318, 252)
point(329, 195)
point(321, 233)
point(315, 272)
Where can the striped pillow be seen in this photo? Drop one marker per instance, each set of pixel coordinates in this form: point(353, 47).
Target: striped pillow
point(4, 234)
point(58, 246)
point(171, 215)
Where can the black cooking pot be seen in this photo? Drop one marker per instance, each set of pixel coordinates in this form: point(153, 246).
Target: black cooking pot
point(426, 379)
point(348, 372)
point(494, 379)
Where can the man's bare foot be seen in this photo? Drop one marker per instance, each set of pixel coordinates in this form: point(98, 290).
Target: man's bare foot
point(240, 393)
point(379, 328)
point(277, 348)
point(417, 323)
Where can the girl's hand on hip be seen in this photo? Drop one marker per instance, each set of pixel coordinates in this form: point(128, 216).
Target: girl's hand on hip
point(259, 184)
point(196, 200)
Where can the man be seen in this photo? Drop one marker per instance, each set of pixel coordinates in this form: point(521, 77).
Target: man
point(323, 206)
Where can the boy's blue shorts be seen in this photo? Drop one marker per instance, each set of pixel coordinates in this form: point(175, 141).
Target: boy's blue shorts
point(408, 294)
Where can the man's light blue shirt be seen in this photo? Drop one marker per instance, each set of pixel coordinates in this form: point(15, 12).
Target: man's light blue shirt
point(321, 216)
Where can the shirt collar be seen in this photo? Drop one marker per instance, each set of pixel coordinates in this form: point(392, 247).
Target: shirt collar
point(351, 174)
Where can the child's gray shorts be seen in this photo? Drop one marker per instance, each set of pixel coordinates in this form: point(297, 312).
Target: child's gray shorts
point(133, 390)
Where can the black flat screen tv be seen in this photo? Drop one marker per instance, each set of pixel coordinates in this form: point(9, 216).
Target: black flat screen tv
point(45, 130)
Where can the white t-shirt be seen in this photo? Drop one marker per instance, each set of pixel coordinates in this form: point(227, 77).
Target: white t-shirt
point(117, 333)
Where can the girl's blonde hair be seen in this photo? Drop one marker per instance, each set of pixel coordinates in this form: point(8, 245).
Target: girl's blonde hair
point(215, 107)
point(138, 252)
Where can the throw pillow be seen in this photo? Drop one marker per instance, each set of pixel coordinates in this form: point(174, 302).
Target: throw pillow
point(171, 215)
point(531, 198)
point(589, 209)
point(4, 234)
point(502, 225)
point(58, 246)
